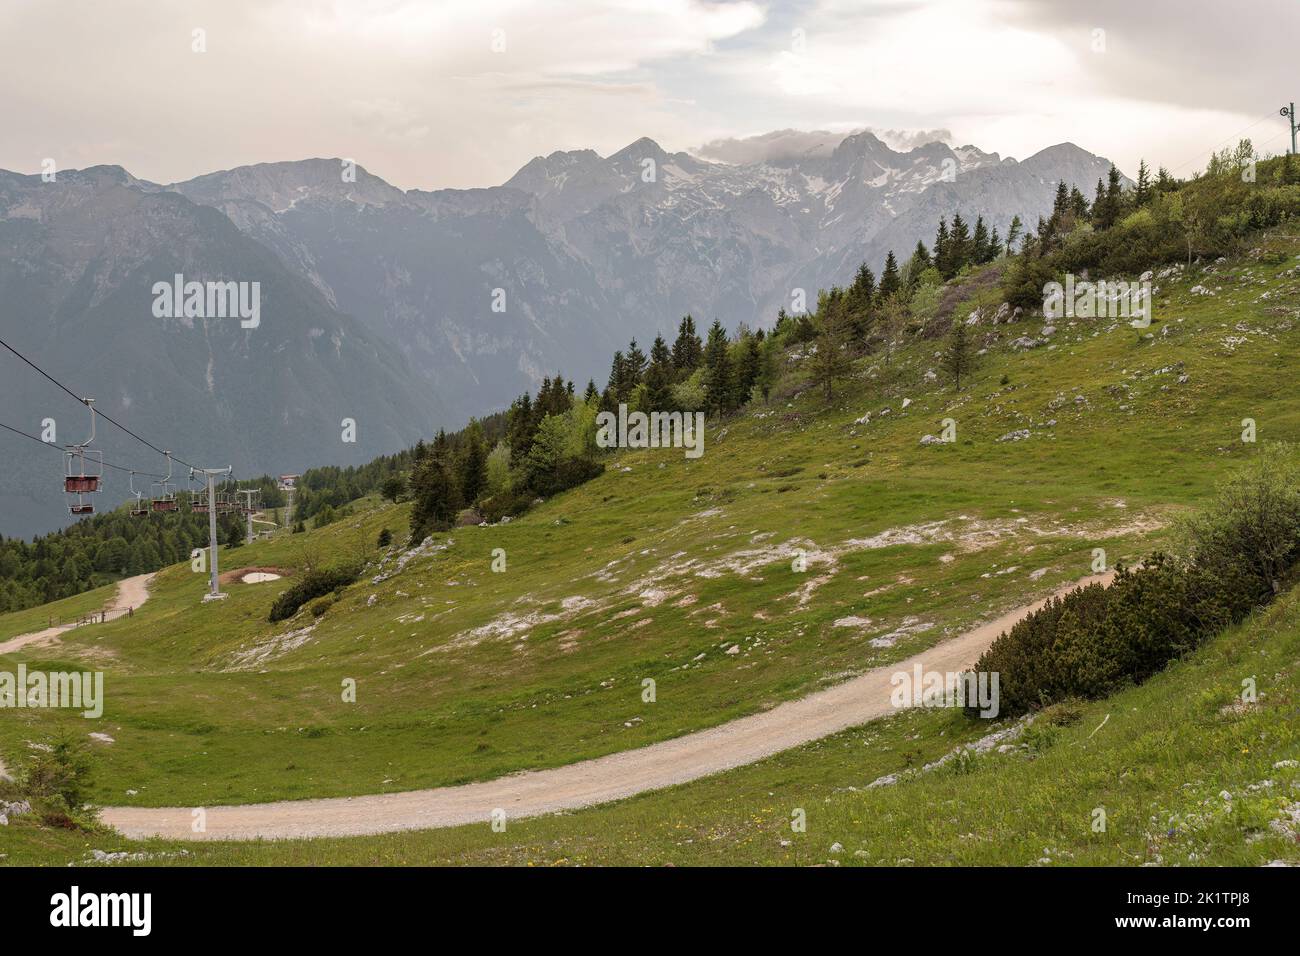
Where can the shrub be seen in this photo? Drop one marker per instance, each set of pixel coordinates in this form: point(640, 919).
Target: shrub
point(506, 504)
point(55, 782)
point(1237, 553)
point(313, 584)
point(318, 608)
point(385, 538)
point(1254, 522)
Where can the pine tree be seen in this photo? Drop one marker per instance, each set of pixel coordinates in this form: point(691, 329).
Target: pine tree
point(1078, 206)
point(659, 378)
point(719, 383)
point(617, 387)
point(889, 279)
point(917, 265)
point(688, 351)
point(893, 318)
point(747, 368)
point(980, 242)
point(520, 429)
point(958, 359)
point(591, 392)
point(831, 361)
point(634, 366)
point(1142, 192)
point(435, 496)
point(863, 291)
point(959, 246)
point(1013, 233)
point(941, 250)
point(473, 462)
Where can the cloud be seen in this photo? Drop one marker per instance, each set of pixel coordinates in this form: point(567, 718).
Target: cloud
point(787, 144)
point(776, 146)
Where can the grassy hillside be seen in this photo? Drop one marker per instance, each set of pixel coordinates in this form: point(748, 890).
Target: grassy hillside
point(685, 572)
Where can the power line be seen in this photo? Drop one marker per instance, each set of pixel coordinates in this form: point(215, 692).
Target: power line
point(1234, 136)
point(106, 464)
point(102, 415)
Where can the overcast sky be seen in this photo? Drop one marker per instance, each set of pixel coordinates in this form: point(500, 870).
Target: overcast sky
point(435, 93)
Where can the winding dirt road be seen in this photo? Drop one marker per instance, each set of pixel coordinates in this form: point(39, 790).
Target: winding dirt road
point(584, 784)
point(131, 593)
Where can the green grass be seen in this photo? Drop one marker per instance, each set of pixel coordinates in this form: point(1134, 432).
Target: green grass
point(451, 690)
point(66, 611)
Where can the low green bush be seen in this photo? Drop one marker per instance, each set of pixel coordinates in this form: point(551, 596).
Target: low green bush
point(312, 585)
point(1236, 555)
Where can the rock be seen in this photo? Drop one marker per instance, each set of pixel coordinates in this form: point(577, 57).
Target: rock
point(1020, 434)
point(837, 848)
point(931, 440)
point(1048, 331)
point(1003, 314)
point(102, 738)
point(370, 601)
point(468, 517)
point(733, 649)
point(930, 376)
point(1026, 342)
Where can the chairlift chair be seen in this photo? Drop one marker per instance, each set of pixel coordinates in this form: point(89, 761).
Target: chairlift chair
point(163, 493)
point(138, 510)
point(84, 469)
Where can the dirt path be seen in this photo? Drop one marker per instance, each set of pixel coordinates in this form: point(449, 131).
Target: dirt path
point(131, 593)
point(613, 777)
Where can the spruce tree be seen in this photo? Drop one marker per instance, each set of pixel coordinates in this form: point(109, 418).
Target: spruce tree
point(1142, 192)
point(941, 250)
point(473, 462)
point(634, 366)
point(980, 242)
point(959, 252)
point(747, 368)
point(889, 279)
point(1013, 233)
point(917, 265)
point(719, 383)
point(831, 361)
point(659, 378)
point(688, 351)
point(957, 358)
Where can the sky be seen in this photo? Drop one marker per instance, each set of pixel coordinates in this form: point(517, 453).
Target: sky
point(461, 93)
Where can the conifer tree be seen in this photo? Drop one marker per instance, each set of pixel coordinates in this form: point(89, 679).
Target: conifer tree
point(831, 361)
point(719, 382)
point(473, 463)
point(889, 279)
point(917, 265)
point(1013, 234)
point(980, 242)
point(688, 351)
point(957, 358)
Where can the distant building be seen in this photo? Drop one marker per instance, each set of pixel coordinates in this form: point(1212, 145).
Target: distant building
point(289, 482)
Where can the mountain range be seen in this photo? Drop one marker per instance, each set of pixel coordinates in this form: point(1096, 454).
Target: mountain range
point(405, 310)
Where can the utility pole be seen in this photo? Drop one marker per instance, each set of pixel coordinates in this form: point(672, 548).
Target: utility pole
point(1289, 112)
point(211, 474)
point(248, 511)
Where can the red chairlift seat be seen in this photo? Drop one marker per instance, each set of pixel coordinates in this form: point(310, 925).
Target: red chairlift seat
point(81, 484)
point(164, 504)
point(81, 509)
point(139, 511)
